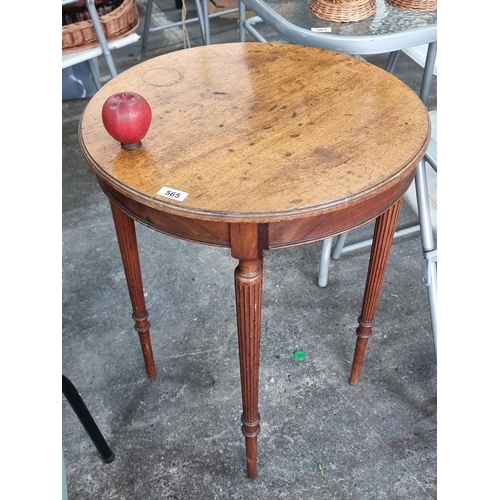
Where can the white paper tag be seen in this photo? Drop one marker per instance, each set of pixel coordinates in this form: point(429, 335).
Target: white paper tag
point(322, 30)
point(173, 194)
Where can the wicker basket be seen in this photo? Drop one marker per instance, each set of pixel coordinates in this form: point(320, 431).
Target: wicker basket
point(417, 5)
point(118, 23)
point(343, 11)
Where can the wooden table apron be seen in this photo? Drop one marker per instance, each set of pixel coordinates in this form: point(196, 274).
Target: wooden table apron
point(276, 145)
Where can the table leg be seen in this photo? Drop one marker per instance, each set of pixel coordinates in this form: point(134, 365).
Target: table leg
point(381, 248)
point(248, 287)
point(127, 241)
point(246, 245)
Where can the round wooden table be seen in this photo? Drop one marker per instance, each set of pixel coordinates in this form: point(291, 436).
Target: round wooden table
point(258, 147)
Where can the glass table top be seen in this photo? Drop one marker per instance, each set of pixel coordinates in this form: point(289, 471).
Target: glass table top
point(293, 20)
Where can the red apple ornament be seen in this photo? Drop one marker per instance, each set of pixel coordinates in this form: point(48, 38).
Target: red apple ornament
point(127, 116)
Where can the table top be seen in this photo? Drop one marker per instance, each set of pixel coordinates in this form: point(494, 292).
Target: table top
point(260, 132)
point(387, 30)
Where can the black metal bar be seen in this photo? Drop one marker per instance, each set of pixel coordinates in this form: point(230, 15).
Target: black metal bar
point(83, 414)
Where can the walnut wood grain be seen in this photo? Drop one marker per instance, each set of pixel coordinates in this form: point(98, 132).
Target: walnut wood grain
point(276, 145)
point(248, 242)
point(127, 241)
point(381, 248)
point(292, 131)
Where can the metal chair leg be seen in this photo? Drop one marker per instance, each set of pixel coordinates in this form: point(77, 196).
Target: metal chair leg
point(429, 263)
point(147, 23)
point(324, 261)
point(339, 245)
point(391, 61)
point(430, 60)
point(326, 252)
point(202, 13)
point(83, 414)
point(241, 20)
point(94, 70)
point(101, 37)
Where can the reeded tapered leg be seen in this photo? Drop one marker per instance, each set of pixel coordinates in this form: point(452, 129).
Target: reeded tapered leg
point(381, 248)
point(247, 243)
point(127, 240)
point(248, 287)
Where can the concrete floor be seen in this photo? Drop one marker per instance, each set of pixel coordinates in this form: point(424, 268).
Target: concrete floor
point(178, 437)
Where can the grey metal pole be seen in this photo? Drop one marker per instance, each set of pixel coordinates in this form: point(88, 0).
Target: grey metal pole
point(101, 37)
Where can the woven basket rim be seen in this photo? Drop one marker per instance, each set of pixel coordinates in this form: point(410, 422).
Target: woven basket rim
point(106, 20)
point(70, 50)
point(415, 5)
point(343, 10)
point(347, 3)
point(114, 14)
